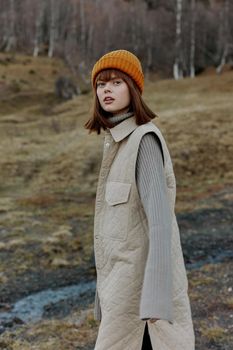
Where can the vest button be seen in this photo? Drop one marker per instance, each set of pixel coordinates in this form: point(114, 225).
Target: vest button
point(107, 144)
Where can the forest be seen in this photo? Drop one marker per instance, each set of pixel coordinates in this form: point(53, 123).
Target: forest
point(171, 37)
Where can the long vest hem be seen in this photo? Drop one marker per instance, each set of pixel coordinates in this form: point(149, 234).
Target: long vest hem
point(121, 243)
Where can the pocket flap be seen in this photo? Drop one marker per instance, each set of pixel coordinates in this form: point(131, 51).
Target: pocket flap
point(117, 192)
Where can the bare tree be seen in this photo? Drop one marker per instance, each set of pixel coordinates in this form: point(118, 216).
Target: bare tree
point(172, 37)
point(193, 38)
point(11, 37)
point(53, 30)
point(133, 27)
point(149, 50)
point(83, 27)
point(149, 43)
point(178, 64)
point(73, 56)
point(225, 28)
point(71, 48)
point(39, 27)
point(4, 27)
point(90, 39)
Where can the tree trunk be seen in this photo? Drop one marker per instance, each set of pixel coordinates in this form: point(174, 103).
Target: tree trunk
point(11, 37)
point(39, 27)
point(83, 28)
point(109, 34)
point(225, 36)
point(53, 26)
point(90, 40)
point(133, 24)
point(193, 38)
point(4, 26)
point(71, 52)
point(149, 51)
point(70, 48)
point(178, 64)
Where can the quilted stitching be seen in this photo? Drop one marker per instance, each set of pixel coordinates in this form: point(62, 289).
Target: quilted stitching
point(121, 247)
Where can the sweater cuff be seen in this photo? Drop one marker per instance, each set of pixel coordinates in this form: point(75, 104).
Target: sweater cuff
point(168, 317)
point(97, 308)
point(153, 305)
point(147, 319)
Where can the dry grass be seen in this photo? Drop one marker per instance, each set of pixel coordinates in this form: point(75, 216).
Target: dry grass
point(49, 169)
point(74, 332)
point(30, 73)
point(196, 117)
point(45, 148)
point(211, 302)
point(214, 334)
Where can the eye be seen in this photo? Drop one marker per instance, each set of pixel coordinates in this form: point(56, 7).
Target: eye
point(100, 84)
point(117, 82)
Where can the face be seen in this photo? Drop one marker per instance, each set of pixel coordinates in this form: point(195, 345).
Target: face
point(113, 95)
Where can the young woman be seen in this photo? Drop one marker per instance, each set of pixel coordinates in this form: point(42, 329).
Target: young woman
point(142, 289)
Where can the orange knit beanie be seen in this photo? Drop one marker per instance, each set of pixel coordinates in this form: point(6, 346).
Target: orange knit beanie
point(122, 60)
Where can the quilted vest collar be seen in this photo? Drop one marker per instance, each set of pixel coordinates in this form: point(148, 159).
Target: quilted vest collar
point(123, 129)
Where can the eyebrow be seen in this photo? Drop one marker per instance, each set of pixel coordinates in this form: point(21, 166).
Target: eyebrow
point(109, 79)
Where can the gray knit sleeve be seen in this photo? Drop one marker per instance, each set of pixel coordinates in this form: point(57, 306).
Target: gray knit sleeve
point(97, 307)
point(156, 296)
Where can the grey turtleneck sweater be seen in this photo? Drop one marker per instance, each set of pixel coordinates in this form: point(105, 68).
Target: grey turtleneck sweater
point(151, 182)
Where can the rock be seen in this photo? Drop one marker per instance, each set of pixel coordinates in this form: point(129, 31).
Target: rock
point(2, 246)
point(51, 240)
point(18, 320)
point(3, 279)
point(15, 242)
point(62, 232)
point(5, 307)
point(65, 88)
point(59, 262)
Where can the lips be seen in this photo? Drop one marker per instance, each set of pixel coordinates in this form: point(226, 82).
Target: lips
point(108, 99)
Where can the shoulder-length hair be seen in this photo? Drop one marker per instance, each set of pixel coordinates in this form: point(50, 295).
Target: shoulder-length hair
point(99, 119)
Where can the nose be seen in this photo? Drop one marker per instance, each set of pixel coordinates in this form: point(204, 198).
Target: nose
point(107, 87)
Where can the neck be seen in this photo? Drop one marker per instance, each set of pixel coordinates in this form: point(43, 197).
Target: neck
point(117, 118)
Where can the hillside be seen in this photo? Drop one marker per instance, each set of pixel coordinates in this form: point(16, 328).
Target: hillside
point(49, 169)
point(47, 149)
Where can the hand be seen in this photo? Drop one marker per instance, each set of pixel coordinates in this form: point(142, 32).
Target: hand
point(153, 320)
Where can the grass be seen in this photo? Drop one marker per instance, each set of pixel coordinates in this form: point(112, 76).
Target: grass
point(49, 171)
point(47, 148)
point(51, 334)
point(214, 334)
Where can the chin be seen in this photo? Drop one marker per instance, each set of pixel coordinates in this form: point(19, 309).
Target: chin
point(110, 110)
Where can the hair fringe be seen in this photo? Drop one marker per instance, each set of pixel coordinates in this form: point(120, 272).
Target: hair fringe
point(99, 120)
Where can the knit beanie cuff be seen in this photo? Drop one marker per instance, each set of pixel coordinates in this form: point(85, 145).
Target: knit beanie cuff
point(123, 60)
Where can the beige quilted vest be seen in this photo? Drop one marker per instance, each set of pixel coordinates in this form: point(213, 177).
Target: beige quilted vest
point(121, 245)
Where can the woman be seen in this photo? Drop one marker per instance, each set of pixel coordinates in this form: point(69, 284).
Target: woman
point(142, 288)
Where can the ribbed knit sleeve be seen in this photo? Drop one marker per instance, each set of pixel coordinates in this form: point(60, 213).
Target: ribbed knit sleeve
point(156, 296)
point(97, 308)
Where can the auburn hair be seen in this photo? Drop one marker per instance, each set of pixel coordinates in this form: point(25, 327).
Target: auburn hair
point(99, 119)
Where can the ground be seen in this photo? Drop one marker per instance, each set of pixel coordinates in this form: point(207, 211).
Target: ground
point(49, 170)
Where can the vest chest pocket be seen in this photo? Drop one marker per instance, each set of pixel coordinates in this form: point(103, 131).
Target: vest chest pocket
point(116, 210)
